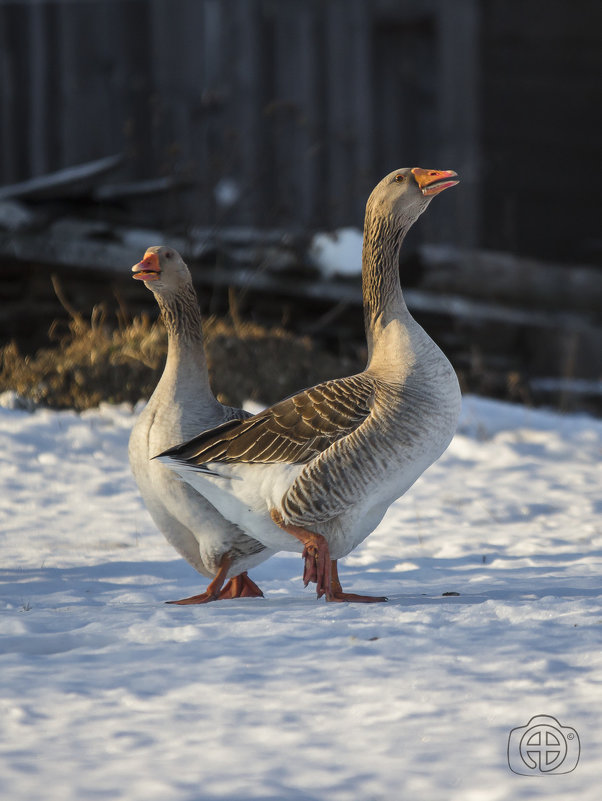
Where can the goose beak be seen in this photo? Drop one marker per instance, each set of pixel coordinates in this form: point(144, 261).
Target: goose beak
point(148, 269)
point(431, 182)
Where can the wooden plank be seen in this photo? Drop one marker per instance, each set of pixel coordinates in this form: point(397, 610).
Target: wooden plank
point(75, 108)
point(360, 59)
point(91, 255)
point(458, 103)
point(133, 189)
point(529, 73)
point(176, 115)
point(126, 94)
point(101, 55)
point(349, 110)
point(505, 288)
point(244, 115)
point(19, 65)
point(405, 95)
point(37, 94)
point(213, 98)
point(8, 97)
point(62, 183)
point(294, 112)
point(337, 175)
point(404, 11)
point(506, 278)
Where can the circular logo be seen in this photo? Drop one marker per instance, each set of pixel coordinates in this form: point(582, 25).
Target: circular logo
point(543, 747)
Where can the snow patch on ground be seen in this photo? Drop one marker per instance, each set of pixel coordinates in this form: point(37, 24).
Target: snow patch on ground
point(106, 692)
point(337, 252)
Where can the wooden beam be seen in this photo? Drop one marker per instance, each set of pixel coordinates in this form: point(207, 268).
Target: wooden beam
point(458, 100)
point(62, 183)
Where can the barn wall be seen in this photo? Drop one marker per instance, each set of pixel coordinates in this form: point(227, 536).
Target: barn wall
point(541, 96)
point(287, 112)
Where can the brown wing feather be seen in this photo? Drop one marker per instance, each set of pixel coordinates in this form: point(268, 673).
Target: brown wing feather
point(295, 430)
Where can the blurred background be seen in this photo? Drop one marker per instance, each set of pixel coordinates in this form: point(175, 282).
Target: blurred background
point(240, 131)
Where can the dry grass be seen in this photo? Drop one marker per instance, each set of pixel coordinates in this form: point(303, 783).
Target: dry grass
point(98, 360)
point(88, 362)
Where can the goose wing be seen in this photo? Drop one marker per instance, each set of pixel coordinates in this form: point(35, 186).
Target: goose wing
point(293, 431)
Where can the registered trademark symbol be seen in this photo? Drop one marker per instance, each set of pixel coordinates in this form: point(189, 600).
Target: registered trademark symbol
point(570, 736)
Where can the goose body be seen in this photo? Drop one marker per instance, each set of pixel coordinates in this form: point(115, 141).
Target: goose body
point(317, 471)
point(181, 406)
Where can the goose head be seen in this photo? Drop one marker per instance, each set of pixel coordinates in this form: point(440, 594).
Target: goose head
point(404, 194)
point(163, 270)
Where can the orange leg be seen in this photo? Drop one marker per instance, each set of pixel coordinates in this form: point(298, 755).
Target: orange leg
point(337, 593)
point(240, 586)
point(315, 553)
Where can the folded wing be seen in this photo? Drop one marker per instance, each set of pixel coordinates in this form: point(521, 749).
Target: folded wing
point(294, 431)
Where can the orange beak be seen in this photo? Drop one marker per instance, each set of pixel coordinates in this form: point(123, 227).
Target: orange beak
point(431, 182)
point(148, 269)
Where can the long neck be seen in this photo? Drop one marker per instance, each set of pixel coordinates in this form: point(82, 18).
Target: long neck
point(186, 365)
point(383, 299)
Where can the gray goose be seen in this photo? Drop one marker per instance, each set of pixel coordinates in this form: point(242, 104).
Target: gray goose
point(181, 406)
point(316, 472)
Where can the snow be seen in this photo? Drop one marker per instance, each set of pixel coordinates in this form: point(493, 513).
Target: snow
point(107, 693)
point(337, 252)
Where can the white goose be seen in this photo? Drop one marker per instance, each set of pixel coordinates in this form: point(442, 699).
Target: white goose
point(317, 471)
point(181, 406)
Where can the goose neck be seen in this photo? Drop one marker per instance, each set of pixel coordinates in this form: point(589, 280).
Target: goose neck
point(382, 295)
point(182, 319)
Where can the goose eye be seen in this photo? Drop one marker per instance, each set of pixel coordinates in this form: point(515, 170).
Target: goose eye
point(400, 178)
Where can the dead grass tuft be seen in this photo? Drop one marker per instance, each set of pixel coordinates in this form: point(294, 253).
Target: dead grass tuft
point(93, 361)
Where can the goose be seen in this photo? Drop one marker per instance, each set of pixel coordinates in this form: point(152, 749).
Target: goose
point(316, 472)
point(181, 406)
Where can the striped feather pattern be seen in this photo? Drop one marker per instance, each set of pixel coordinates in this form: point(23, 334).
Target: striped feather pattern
point(294, 431)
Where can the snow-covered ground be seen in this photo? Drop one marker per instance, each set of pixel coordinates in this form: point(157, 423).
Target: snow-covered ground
point(107, 693)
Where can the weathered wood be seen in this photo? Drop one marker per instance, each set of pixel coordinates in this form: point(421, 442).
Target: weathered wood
point(62, 183)
point(177, 117)
point(541, 96)
point(505, 278)
point(537, 301)
point(240, 65)
point(458, 116)
point(339, 125)
point(38, 96)
point(305, 104)
point(405, 97)
point(349, 110)
point(293, 109)
point(484, 338)
point(133, 189)
point(15, 216)
point(84, 244)
point(363, 110)
point(8, 103)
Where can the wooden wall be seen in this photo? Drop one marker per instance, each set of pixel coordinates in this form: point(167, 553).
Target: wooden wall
point(296, 108)
point(300, 105)
point(541, 95)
